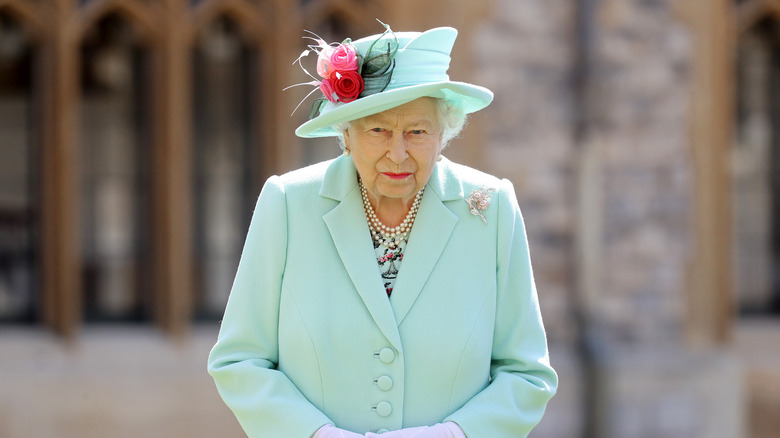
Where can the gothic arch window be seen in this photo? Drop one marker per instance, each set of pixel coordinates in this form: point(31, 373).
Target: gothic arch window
point(135, 127)
point(225, 72)
point(755, 194)
point(19, 172)
point(334, 17)
point(756, 167)
point(115, 160)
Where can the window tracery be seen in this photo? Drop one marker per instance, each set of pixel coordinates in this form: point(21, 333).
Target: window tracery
point(755, 161)
point(160, 113)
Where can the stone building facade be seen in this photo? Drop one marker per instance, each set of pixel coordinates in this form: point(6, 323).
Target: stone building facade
point(640, 136)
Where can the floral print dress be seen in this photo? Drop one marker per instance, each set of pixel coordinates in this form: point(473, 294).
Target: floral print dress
point(389, 260)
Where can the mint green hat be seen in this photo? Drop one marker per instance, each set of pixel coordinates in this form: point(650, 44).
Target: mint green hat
point(420, 69)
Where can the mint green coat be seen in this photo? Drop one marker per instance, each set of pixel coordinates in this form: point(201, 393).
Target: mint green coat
point(309, 336)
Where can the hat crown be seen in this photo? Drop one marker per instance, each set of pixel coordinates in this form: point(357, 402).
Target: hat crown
point(422, 57)
point(439, 39)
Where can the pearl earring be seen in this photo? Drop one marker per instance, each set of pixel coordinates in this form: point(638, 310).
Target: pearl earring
point(346, 152)
point(439, 157)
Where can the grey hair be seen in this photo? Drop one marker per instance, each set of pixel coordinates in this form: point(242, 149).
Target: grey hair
point(452, 119)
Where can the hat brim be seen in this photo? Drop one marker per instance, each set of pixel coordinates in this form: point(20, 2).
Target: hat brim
point(469, 97)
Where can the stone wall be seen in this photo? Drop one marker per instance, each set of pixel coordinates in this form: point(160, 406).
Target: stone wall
point(608, 207)
point(526, 52)
point(525, 55)
point(643, 83)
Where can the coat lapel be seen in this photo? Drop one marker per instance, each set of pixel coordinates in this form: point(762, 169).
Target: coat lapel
point(350, 236)
point(430, 233)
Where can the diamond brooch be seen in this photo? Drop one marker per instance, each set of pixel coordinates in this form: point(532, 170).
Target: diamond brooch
point(480, 200)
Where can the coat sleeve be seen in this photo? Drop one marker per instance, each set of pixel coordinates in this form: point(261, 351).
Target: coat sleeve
point(521, 378)
point(244, 360)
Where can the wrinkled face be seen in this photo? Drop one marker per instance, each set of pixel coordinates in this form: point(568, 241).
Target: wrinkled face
point(395, 151)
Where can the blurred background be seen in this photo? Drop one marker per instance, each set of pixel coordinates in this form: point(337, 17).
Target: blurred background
point(642, 136)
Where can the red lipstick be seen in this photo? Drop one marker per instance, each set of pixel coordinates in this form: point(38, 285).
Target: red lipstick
point(397, 176)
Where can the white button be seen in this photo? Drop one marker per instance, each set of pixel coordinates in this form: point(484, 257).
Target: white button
point(384, 383)
point(383, 409)
point(386, 355)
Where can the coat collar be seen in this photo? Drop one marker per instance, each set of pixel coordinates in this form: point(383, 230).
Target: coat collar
point(340, 179)
point(431, 232)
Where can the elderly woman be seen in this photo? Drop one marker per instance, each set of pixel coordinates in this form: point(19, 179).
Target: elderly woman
point(388, 291)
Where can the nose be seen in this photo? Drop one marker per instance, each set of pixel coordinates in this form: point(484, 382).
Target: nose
point(396, 148)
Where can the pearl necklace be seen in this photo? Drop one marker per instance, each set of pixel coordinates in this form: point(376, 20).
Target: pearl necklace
point(386, 236)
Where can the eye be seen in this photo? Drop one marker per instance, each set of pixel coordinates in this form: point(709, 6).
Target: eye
point(377, 129)
point(417, 132)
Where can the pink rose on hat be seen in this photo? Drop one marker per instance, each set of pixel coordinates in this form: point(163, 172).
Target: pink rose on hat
point(324, 66)
point(339, 68)
point(327, 90)
point(344, 58)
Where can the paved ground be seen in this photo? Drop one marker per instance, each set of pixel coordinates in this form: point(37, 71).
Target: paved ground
point(122, 382)
point(135, 382)
point(114, 383)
